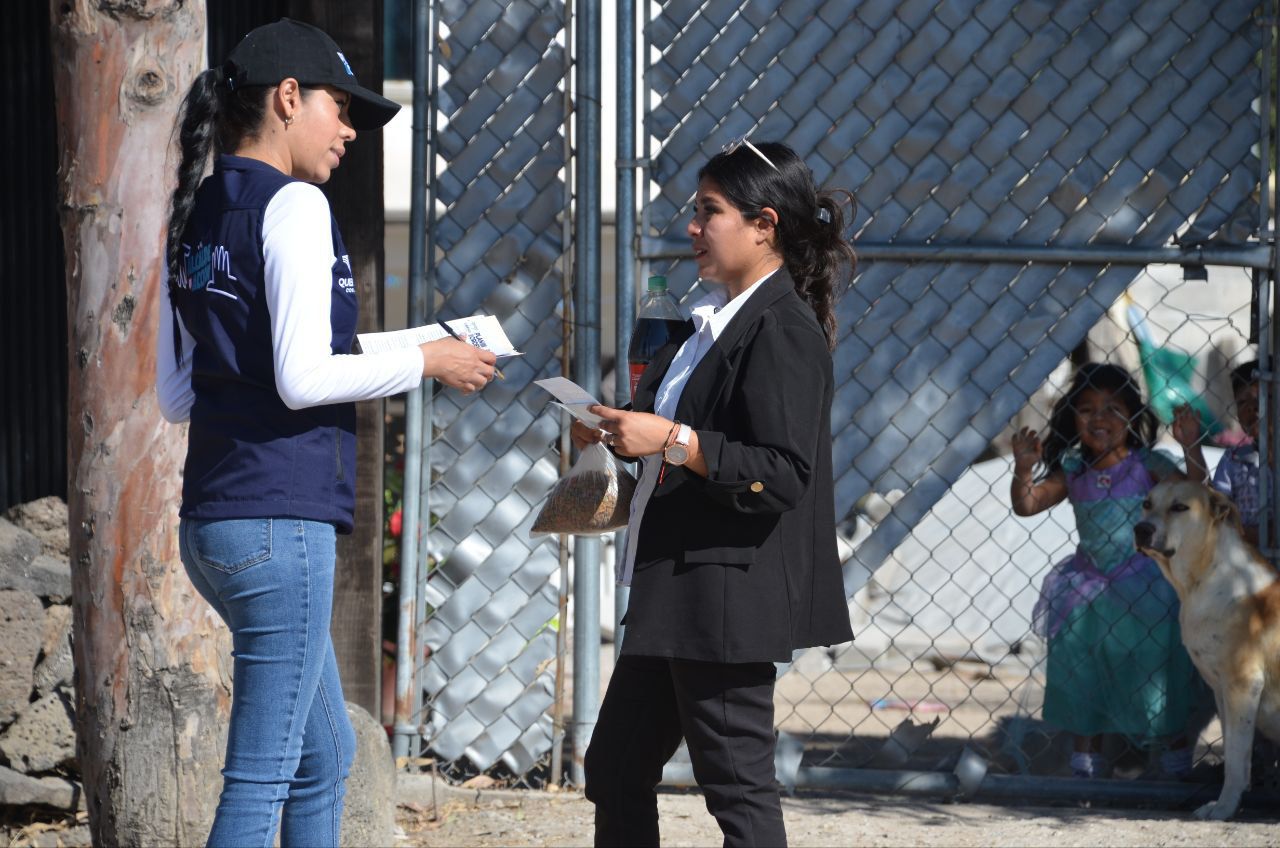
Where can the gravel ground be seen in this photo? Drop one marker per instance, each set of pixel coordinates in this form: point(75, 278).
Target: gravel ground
point(511, 818)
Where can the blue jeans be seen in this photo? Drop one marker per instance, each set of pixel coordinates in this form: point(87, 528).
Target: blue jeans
point(290, 743)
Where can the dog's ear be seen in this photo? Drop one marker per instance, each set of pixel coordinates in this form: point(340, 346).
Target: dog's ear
point(1223, 509)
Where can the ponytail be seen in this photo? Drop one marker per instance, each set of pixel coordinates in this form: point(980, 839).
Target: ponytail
point(817, 256)
point(810, 222)
point(197, 129)
point(214, 118)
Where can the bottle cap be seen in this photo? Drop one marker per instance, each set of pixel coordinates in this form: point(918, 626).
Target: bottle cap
point(657, 283)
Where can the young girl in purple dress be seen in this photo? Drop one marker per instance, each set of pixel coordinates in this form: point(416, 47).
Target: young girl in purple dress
point(1115, 662)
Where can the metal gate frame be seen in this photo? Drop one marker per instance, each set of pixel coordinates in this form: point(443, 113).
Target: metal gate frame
point(969, 776)
point(507, 61)
point(582, 31)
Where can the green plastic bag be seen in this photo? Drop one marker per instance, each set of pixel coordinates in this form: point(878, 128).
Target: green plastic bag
point(1169, 374)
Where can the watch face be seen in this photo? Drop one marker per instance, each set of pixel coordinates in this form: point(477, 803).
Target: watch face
point(676, 454)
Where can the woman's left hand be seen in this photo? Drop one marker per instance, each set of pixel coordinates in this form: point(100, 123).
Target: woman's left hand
point(633, 433)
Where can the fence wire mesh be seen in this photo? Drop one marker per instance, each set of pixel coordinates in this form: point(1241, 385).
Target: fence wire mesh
point(944, 629)
point(1071, 144)
point(489, 598)
point(1016, 166)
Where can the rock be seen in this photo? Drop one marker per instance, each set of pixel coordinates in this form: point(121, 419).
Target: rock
point(21, 632)
point(369, 816)
point(46, 519)
point(480, 781)
point(24, 565)
point(16, 545)
point(43, 575)
point(56, 665)
point(43, 737)
point(75, 836)
point(19, 790)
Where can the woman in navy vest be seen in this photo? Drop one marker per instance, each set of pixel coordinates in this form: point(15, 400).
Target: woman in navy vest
point(256, 352)
point(731, 546)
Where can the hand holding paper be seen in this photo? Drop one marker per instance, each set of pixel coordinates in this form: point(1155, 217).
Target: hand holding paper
point(482, 331)
point(455, 334)
point(467, 366)
point(572, 397)
point(628, 433)
point(446, 363)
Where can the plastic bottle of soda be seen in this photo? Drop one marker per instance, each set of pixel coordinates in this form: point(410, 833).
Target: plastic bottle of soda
point(656, 320)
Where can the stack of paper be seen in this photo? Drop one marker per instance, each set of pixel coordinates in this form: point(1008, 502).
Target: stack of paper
point(482, 331)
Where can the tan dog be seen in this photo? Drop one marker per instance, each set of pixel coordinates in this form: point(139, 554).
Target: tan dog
point(1230, 617)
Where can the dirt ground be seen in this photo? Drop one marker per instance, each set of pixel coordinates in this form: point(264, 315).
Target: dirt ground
point(847, 712)
point(490, 818)
point(509, 818)
point(843, 714)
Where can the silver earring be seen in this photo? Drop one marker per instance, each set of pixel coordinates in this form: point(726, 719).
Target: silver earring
point(288, 120)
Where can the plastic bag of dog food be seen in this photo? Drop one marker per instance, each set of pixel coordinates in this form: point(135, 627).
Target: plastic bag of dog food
point(593, 497)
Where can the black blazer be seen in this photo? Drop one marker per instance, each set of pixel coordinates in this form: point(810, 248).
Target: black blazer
point(741, 566)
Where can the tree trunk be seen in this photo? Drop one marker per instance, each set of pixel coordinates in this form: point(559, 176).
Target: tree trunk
point(355, 194)
point(152, 660)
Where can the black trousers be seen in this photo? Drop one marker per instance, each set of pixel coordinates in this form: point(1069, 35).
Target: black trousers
point(725, 713)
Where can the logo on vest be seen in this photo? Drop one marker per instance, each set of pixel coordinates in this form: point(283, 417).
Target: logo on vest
point(346, 283)
point(200, 265)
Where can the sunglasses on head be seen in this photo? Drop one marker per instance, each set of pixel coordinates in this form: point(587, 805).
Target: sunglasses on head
point(742, 141)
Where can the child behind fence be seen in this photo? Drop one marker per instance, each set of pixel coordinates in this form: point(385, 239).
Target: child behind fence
point(1115, 658)
point(1237, 472)
point(1237, 477)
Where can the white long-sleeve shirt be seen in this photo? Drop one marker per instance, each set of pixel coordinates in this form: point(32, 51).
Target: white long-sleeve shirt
point(298, 251)
point(710, 316)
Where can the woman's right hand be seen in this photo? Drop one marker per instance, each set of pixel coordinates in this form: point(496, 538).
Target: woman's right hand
point(458, 364)
point(1026, 449)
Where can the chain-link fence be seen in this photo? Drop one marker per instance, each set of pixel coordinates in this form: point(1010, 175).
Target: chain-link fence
point(488, 604)
point(1025, 173)
point(946, 655)
point(1039, 185)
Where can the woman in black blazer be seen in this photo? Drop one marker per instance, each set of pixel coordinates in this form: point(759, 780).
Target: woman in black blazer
point(731, 552)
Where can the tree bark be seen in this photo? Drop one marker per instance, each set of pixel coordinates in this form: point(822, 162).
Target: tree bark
point(152, 660)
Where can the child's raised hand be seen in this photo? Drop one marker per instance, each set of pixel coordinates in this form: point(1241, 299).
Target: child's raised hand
point(1186, 425)
point(1026, 449)
point(1186, 429)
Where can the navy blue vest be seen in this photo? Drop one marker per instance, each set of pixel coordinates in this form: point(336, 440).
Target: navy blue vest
point(249, 455)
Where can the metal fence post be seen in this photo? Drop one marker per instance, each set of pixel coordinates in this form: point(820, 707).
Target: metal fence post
point(586, 570)
point(417, 406)
point(625, 230)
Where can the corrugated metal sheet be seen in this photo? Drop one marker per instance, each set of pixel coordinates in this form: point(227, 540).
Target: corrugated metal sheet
point(230, 20)
point(33, 297)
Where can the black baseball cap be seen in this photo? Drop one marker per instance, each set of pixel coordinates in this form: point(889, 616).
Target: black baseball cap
point(289, 48)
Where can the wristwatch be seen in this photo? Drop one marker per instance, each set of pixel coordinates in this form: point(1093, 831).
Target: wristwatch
point(677, 453)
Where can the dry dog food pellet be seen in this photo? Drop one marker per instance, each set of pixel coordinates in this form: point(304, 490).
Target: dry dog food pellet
point(587, 502)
